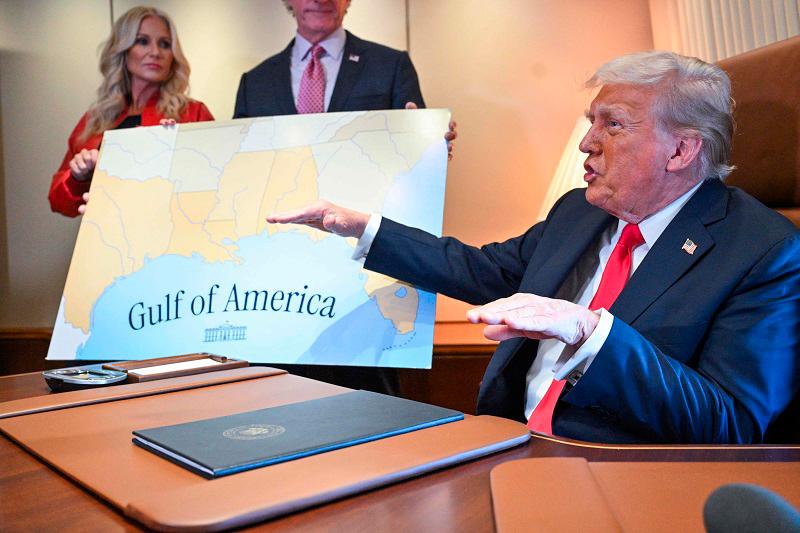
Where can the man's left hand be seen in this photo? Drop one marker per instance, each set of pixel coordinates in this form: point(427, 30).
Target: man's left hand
point(450, 136)
point(535, 317)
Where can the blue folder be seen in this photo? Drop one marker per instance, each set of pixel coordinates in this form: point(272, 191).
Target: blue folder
point(229, 444)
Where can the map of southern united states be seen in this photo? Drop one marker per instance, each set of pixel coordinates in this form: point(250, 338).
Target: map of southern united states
point(219, 186)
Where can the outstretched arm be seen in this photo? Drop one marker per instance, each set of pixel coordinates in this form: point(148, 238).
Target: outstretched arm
point(444, 265)
point(325, 216)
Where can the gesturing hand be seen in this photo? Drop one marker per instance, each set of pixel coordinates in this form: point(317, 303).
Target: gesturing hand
point(326, 217)
point(535, 317)
point(82, 164)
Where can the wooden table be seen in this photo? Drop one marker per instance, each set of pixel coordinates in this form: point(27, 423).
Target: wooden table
point(35, 497)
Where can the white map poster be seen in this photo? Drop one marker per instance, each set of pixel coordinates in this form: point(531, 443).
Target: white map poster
point(174, 255)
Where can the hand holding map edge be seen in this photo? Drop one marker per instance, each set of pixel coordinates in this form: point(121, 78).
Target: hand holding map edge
point(82, 207)
point(325, 216)
point(449, 136)
point(81, 166)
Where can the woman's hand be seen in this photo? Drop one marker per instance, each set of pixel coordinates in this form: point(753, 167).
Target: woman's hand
point(82, 207)
point(82, 165)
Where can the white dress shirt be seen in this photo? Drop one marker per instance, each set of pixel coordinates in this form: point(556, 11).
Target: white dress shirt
point(554, 359)
point(331, 61)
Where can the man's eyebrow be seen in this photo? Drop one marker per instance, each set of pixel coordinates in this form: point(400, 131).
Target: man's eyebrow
point(612, 109)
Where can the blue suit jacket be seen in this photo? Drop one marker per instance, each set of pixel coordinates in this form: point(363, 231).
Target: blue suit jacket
point(381, 78)
point(705, 347)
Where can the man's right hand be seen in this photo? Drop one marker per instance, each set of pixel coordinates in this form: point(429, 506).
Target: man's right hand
point(325, 216)
point(82, 164)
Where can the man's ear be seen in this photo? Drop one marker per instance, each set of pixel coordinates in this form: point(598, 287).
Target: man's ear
point(687, 151)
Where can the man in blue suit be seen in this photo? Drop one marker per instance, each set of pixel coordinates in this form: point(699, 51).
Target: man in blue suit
point(702, 343)
point(359, 75)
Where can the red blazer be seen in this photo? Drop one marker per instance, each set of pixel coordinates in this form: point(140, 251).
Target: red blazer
point(66, 193)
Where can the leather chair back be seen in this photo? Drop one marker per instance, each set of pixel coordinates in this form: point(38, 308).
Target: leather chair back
point(766, 146)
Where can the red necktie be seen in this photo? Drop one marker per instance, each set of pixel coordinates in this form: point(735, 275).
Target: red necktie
point(311, 97)
point(615, 275)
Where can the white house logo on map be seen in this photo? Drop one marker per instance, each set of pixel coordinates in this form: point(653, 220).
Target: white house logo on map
point(225, 332)
point(253, 432)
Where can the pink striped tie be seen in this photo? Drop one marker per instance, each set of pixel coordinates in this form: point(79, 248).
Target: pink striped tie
point(615, 275)
point(311, 97)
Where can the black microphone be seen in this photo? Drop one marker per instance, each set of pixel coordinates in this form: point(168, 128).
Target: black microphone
point(749, 508)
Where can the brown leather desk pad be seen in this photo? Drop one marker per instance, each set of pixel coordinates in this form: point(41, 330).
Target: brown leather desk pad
point(92, 445)
point(75, 398)
point(572, 494)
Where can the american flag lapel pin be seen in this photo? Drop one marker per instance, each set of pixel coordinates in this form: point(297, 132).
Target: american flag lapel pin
point(689, 247)
point(353, 57)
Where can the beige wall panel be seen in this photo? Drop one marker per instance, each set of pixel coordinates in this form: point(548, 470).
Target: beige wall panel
point(48, 75)
point(512, 73)
point(382, 21)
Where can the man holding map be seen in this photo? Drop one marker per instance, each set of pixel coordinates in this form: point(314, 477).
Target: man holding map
point(328, 69)
point(657, 305)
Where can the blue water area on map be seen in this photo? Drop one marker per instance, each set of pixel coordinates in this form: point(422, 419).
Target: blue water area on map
point(288, 262)
point(358, 330)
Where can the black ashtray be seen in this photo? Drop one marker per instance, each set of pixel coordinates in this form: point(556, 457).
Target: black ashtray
point(82, 377)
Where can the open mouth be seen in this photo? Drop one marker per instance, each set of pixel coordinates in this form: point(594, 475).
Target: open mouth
point(591, 173)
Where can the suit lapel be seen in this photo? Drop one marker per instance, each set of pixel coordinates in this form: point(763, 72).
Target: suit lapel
point(664, 265)
point(284, 99)
point(349, 72)
point(667, 262)
point(545, 280)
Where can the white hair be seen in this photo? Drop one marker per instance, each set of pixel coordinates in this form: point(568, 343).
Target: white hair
point(695, 99)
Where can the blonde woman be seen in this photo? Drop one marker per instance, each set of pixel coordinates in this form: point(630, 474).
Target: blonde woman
point(146, 77)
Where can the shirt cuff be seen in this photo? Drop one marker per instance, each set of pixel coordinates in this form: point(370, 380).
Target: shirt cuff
point(368, 237)
point(572, 364)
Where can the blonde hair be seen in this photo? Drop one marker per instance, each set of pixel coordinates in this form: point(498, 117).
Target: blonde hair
point(114, 94)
